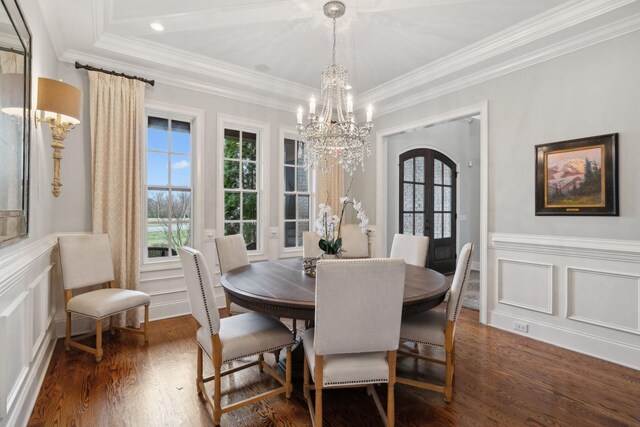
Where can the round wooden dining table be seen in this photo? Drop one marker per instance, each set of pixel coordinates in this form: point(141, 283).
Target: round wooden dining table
point(282, 289)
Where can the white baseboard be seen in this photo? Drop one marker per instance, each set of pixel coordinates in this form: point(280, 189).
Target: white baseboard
point(591, 345)
point(29, 394)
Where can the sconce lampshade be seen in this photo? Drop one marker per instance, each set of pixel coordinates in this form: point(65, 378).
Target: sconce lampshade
point(56, 97)
point(12, 94)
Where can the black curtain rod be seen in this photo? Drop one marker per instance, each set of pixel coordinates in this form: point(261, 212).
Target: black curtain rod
point(113, 73)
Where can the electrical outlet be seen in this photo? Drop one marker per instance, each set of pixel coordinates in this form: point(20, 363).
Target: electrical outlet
point(522, 327)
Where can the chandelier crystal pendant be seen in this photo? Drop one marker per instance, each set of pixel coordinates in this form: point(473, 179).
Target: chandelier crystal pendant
point(334, 134)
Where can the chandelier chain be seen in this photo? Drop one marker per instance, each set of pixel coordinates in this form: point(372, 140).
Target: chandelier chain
point(334, 41)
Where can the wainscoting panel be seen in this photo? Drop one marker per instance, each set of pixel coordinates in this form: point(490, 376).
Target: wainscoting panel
point(525, 284)
point(579, 293)
point(591, 294)
point(26, 328)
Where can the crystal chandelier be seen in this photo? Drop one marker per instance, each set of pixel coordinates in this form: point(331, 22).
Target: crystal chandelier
point(334, 133)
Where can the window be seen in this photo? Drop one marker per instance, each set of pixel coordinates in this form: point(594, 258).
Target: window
point(297, 196)
point(168, 187)
point(240, 180)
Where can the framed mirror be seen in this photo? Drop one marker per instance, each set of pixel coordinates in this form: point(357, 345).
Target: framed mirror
point(15, 122)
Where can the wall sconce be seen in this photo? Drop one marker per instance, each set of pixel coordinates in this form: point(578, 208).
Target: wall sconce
point(59, 106)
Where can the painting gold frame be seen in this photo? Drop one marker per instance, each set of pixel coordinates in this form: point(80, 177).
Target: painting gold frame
point(607, 170)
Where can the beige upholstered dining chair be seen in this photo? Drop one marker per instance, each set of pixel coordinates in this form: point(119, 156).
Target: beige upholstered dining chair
point(86, 260)
point(438, 328)
point(412, 249)
point(232, 253)
point(356, 333)
point(355, 244)
point(232, 338)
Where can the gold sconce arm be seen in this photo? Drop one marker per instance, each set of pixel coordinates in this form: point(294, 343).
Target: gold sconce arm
point(59, 131)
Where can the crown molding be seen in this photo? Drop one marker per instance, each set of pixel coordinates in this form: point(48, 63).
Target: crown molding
point(542, 25)
point(200, 64)
point(171, 79)
point(599, 35)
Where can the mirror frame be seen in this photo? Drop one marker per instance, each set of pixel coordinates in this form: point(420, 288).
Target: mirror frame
point(23, 33)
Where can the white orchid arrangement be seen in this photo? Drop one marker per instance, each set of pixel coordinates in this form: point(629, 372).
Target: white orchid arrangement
point(328, 225)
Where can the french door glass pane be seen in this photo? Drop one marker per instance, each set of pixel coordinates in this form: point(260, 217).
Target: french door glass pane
point(437, 172)
point(289, 234)
point(437, 198)
point(289, 206)
point(447, 175)
point(437, 226)
point(447, 225)
point(447, 199)
point(408, 224)
point(180, 137)
point(249, 206)
point(180, 170)
point(419, 198)
point(419, 169)
point(408, 197)
point(249, 146)
point(303, 207)
point(158, 169)
point(419, 225)
point(408, 170)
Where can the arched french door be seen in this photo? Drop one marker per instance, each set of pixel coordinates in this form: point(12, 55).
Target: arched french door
point(428, 204)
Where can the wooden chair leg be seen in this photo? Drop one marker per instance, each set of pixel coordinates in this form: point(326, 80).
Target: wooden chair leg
point(261, 362)
point(288, 374)
point(98, 340)
point(199, 380)
point(146, 324)
point(217, 395)
point(391, 359)
point(448, 388)
point(318, 383)
point(112, 324)
point(227, 301)
point(68, 333)
point(276, 354)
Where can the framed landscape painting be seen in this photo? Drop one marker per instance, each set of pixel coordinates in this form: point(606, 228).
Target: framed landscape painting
point(578, 177)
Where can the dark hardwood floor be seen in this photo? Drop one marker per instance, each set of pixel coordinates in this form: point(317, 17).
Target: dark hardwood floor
point(501, 379)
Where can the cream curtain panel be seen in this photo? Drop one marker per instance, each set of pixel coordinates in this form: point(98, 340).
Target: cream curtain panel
point(117, 131)
point(330, 186)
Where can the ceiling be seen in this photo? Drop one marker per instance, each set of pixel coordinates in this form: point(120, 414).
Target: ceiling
point(273, 50)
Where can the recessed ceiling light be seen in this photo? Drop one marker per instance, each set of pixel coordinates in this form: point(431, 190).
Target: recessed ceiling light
point(157, 26)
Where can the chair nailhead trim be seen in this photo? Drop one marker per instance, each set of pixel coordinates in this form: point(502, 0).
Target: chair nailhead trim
point(376, 381)
point(204, 298)
point(253, 354)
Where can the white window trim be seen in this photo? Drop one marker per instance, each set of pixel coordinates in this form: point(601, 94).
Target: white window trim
point(263, 130)
point(292, 133)
point(196, 117)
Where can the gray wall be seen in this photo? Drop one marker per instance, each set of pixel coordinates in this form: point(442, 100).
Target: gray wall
point(41, 200)
point(460, 141)
point(592, 91)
